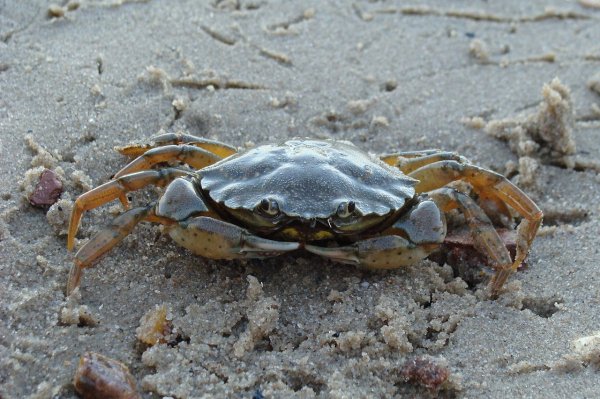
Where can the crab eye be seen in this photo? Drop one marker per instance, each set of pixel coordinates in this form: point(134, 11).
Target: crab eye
point(269, 206)
point(346, 209)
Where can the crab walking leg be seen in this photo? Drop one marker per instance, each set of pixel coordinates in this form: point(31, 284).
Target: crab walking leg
point(424, 226)
point(410, 154)
point(196, 157)
point(135, 150)
point(114, 189)
point(107, 238)
point(490, 185)
point(411, 161)
point(216, 239)
point(485, 237)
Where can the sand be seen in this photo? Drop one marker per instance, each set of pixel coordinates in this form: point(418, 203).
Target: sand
point(511, 85)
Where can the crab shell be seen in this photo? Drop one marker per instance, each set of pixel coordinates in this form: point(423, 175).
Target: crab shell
point(310, 181)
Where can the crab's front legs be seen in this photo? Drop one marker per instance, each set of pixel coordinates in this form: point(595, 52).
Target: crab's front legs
point(216, 239)
point(196, 229)
point(412, 238)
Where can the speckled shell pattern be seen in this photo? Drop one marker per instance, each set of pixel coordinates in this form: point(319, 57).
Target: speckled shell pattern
point(308, 179)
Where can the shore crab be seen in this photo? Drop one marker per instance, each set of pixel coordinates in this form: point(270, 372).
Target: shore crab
point(326, 197)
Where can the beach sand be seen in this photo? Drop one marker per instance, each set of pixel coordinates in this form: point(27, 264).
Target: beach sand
point(513, 86)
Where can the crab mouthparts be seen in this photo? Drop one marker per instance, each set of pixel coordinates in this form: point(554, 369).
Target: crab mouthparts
point(307, 230)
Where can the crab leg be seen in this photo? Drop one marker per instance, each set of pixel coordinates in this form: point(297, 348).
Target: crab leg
point(107, 238)
point(424, 228)
point(410, 154)
point(196, 157)
point(490, 185)
point(216, 239)
point(410, 161)
point(114, 189)
point(485, 236)
point(135, 150)
point(413, 160)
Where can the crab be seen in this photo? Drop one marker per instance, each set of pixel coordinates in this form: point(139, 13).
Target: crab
point(323, 196)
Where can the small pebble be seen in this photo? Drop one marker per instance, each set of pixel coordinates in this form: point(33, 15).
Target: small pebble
point(425, 372)
point(56, 11)
point(98, 376)
point(47, 191)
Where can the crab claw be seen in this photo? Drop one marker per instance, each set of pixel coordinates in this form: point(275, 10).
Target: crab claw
point(348, 254)
point(385, 252)
point(216, 239)
point(253, 246)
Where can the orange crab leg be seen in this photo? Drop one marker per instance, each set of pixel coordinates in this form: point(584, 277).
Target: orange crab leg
point(114, 189)
point(491, 185)
point(410, 161)
point(107, 238)
point(135, 150)
point(196, 157)
point(413, 160)
point(485, 236)
point(409, 154)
